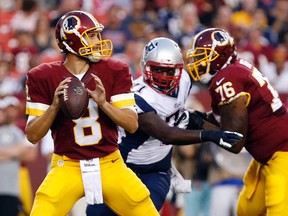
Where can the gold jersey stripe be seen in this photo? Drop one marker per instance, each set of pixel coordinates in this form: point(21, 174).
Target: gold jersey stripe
point(124, 103)
point(34, 112)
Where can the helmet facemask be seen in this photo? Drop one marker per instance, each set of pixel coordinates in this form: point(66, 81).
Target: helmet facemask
point(199, 62)
point(94, 50)
point(163, 78)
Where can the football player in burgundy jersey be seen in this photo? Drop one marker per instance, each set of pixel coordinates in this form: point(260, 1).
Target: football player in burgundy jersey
point(86, 159)
point(244, 101)
point(160, 93)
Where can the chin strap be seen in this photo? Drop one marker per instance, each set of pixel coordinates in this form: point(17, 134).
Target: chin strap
point(93, 58)
point(207, 78)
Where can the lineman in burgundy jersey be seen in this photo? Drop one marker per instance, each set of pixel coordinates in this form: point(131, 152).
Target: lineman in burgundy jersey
point(265, 110)
point(68, 136)
point(244, 101)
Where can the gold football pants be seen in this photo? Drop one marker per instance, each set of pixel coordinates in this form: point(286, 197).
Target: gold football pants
point(265, 188)
point(123, 191)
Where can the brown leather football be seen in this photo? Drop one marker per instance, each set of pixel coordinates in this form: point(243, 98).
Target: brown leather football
point(74, 101)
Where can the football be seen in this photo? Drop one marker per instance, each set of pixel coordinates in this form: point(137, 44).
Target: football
point(74, 100)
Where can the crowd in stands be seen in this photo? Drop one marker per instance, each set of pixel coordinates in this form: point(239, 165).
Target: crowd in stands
point(260, 29)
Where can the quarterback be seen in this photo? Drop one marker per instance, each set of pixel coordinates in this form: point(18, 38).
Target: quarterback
point(244, 101)
point(86, 160)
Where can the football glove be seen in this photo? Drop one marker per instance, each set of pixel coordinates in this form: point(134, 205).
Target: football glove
point(222, 138)
point(203, 115)
point(178, 183)
point(190, 120)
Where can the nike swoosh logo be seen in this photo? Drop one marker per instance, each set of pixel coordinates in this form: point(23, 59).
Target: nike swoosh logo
point(113, 161)
point(219, 82)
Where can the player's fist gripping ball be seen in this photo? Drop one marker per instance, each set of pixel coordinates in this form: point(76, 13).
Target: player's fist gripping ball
point(74, 100)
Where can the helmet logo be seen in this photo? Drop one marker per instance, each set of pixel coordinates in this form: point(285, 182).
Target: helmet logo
point(220, 37)
point(149, 48)
point(71, 24)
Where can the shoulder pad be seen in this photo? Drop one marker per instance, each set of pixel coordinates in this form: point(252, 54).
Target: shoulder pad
point(116, 64)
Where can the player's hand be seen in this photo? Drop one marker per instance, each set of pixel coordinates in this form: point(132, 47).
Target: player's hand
point(59, 91)
point(99, 94)
point(190, 120)
point(222, 138)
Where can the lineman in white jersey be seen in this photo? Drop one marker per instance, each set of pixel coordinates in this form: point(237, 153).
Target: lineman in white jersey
point(167, 106)
point(160, 95)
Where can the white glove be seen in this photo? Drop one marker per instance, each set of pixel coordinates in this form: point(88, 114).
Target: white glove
point(178, 183)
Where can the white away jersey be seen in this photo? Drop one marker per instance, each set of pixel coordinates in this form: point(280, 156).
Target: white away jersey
point(141, 152)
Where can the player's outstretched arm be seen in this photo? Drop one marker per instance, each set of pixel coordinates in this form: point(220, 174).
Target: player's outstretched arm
point(156, 127)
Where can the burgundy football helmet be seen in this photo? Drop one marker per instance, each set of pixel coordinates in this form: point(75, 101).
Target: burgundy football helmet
point(72, 36)
point(162, 64)
point(210, 50)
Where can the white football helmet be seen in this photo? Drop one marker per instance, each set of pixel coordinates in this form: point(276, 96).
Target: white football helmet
point(162, 65)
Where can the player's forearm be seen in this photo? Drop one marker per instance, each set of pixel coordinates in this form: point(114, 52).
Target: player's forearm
point(156, 127)
point(177, 136)
point(38, 127)
point(125, 118)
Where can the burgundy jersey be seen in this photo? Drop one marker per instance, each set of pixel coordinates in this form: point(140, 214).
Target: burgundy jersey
point(267, 116)
point(94, 134)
